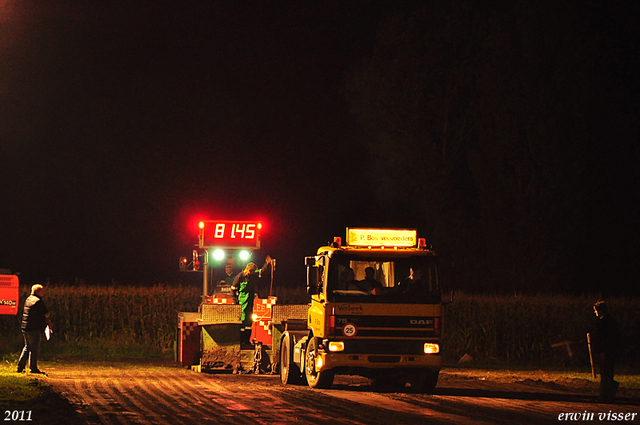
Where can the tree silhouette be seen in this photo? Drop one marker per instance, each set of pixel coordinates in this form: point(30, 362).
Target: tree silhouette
point(481, 118)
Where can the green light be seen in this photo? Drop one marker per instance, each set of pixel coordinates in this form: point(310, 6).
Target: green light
point(244, 255)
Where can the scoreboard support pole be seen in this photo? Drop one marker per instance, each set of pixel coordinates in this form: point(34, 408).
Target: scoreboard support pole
point(205, 275)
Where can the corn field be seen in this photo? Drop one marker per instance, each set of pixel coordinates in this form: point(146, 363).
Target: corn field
point(521, 328)
point(492, 328)
point(123, 314)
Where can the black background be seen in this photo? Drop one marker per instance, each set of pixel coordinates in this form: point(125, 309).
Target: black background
point(123, 124)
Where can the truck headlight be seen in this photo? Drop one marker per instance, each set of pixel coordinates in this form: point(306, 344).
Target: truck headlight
point(336, 346)
point(431, 348)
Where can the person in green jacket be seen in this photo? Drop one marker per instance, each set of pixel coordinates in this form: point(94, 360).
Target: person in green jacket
point(245, 283)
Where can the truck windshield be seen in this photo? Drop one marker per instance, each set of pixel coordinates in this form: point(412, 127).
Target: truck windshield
point(408, 279)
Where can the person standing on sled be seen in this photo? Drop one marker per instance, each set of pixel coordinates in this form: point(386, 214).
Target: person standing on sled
point(245, 283)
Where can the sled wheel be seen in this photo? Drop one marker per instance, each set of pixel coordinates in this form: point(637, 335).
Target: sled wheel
point(289, 371)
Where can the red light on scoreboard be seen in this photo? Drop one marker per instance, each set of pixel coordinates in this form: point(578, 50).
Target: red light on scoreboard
point(230, 234)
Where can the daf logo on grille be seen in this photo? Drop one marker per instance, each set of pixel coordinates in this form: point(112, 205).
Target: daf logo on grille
point(421, 321)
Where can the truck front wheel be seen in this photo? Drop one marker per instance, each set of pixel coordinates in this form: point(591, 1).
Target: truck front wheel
point(321, 379)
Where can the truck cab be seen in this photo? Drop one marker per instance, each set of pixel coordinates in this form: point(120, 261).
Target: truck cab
point(375, 311)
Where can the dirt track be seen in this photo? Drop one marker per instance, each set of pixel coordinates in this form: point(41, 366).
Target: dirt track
point(141, 394)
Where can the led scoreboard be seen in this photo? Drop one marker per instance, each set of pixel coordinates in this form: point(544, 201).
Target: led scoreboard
point(230, 234)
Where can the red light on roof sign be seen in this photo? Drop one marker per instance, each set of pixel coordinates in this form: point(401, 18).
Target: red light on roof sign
point(230, 234)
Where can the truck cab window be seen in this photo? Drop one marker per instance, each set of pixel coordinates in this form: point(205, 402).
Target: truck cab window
point(380, 280)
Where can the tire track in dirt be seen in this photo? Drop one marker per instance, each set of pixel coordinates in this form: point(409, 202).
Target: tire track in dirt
point(184, 397)
point(178, 396)
point(148, 395)
point(193, 399)
point(205, 398)
point(122, 405)
point(256, 403)
point(131, 399)
point(186, 401)
point(388, 402)
point(125, 401)
point(306, 411)
point(181, 404)
point(519, 404)
point(85, 399)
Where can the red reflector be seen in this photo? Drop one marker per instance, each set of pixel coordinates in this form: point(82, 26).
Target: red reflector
point(436, 326)
point(331, 325)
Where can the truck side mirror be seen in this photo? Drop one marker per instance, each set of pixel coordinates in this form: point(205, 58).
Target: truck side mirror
point(313, 280)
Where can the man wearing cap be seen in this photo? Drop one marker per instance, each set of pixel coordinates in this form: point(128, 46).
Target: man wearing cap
point(35, 318)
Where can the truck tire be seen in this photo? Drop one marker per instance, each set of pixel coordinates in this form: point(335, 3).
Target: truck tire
point(322, 379)
point(289, 371)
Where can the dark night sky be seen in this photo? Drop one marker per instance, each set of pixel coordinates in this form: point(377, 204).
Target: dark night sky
point(123, 123)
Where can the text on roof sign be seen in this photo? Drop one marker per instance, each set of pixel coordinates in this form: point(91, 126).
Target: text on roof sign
point(405, 238)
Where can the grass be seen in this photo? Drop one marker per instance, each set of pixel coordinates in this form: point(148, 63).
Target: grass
point(17, 388)
point(32, 393)
point(103, 349)
point(626, 378)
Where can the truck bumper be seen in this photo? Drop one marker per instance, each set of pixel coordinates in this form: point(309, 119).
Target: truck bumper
point(378, 361)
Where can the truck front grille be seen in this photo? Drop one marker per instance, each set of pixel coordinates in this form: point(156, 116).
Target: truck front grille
point(384, 359)
point(383, 347)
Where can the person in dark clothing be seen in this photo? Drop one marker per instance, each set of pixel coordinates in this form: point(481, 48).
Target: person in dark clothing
point(35, 318)
point(412, 284)
point(228, 277)
point(348, 280)
point(605, 344)
point(369, 283)
point(245, 283)
point(223, 281)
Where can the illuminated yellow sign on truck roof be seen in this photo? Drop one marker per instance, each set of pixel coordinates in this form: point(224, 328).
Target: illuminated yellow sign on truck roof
point(405, 238)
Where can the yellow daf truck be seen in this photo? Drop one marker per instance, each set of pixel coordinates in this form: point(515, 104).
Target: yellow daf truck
point(375, 311)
